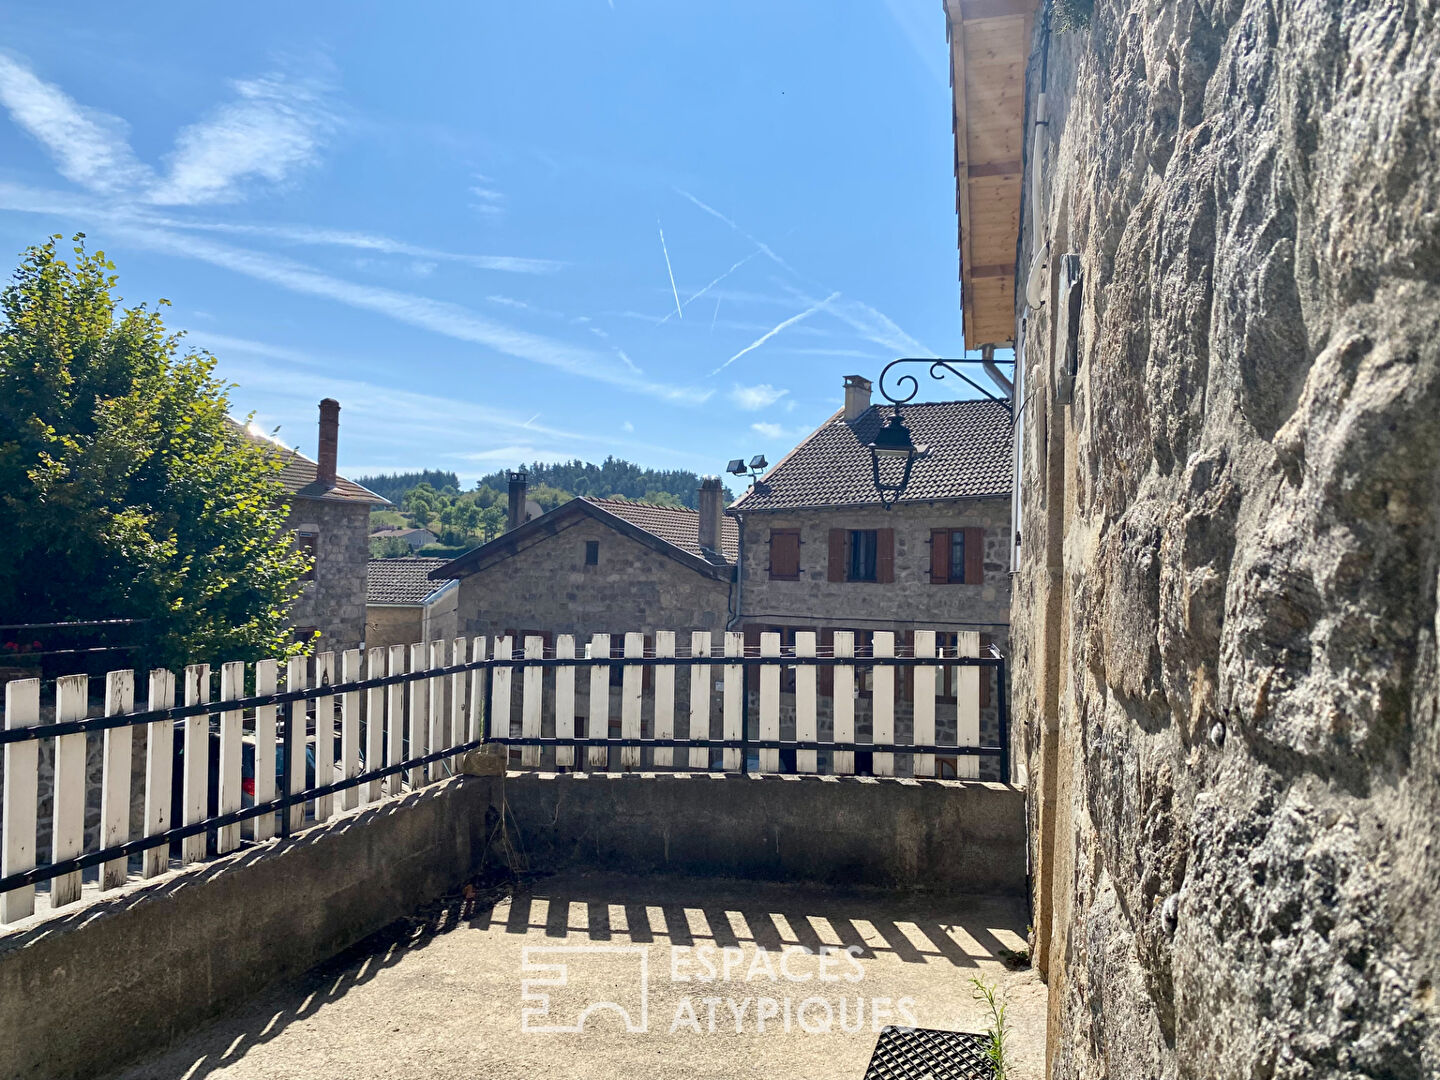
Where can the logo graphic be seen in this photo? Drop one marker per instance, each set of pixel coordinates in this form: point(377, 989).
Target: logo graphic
point(570, 982)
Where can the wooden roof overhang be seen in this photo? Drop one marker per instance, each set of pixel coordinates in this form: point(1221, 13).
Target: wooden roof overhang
point(989, 45)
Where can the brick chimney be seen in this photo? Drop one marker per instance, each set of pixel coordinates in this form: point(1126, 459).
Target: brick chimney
point(857, 396)
point(712, 513)
point(326, 458)
point(519, 480)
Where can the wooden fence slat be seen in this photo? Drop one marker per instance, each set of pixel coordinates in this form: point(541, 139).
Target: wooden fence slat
point(418, 728)
point(967, 706)
point(599, 727)
point(263, 827)
point(232, 686)
point(532, 700)
point(631, 679)
point(195, 786)
point(500, 680)
point(844, 703)
point(457, 701)
point(769, 702)
point(297, 677)
point(19, 810)
point(115, 776)
point(701, 681)
point(350, 728)
point(324, 734)
point(395, 720)
point(374, 723)
point(664, 697)
point(435, 695)
point(159, 772)
point(882, 703)
point(806, 726)
point(565, 701)
point(477, 690)
point(732, 717)
point(924, 764)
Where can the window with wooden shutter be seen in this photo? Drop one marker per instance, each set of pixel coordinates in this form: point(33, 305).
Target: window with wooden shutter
point(974, 556)
point(939, 556)
point(885, 557)
point(835, 568)
point(784, 554)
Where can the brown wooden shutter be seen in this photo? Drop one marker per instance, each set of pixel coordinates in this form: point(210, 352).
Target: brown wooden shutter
point(826, 677)
point(835, 571)
point(784, 554)
point(752, 648)
point(974, 556)
point(939, 556)
point(885, 556)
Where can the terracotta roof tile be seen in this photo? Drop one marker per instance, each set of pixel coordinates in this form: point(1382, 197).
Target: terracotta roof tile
point(676, 526)
point(969, 456)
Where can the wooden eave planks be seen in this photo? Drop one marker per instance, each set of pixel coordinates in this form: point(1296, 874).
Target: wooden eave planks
point(989, 45)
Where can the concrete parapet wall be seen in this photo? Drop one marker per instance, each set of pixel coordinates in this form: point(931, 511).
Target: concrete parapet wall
point(945, 836)
point(123, 974)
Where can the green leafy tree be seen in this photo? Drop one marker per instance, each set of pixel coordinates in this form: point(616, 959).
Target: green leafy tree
point(125, 489)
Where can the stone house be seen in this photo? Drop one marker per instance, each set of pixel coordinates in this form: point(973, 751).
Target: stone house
point(599, 565)
point(403, 605)
point(414, 539)
point(329, 518)
point(820, 552)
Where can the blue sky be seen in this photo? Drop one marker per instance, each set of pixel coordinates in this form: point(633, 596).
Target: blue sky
point(450, 217)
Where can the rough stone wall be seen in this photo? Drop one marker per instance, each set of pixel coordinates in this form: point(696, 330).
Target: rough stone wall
point(334, 602)
point(548, 588)
point(392, 624)
point(1226, 613)
point(910, 600)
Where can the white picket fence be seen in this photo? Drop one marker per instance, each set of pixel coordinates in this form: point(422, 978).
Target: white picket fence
point(406, 713)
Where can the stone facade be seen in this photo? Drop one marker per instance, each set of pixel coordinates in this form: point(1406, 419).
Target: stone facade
point(1225, 615)
point(547, 588)
point(334, 601)
point(908, 603)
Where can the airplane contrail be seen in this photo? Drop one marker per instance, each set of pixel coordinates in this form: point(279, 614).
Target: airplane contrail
point(690, 300)
point(716, 214)
point(772, 332)
point(668, 270)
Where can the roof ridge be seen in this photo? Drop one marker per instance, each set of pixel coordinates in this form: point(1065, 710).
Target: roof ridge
point(637, 502)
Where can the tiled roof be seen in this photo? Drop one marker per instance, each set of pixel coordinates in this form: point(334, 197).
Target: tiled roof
point(676, 526)
point(299, 472)
point(400, 581)
point(969, 456)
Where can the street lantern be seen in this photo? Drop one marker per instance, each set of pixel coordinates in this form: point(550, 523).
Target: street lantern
point(893, 447)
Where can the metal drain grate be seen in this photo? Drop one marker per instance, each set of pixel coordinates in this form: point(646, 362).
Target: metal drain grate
point(926, 1054)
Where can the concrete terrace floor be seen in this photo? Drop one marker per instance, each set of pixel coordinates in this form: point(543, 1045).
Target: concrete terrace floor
point(440, 994)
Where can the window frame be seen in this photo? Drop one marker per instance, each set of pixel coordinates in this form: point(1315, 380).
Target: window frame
point(308, 540)
point(855, 555)
point(592, 547)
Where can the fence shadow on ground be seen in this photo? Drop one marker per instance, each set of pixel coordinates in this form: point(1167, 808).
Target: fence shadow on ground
point(915, 929)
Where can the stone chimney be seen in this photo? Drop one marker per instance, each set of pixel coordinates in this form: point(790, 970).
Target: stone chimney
point(712, 513)
point(326, 458)
point(519, 480)
point(857, 396)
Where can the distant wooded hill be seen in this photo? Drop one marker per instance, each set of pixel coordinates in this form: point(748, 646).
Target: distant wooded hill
point(432, 498)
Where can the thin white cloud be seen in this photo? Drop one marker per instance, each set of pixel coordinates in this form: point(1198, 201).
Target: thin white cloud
point(769, 253)
point(754, 398)
point(437, 316)
point(628, 427)
point(674, 291)
point(627, 361)
point(520, 454)
point(923, 27)
point(224, 344)
point(89, 147)
point(775, 330)
point(275, 127)
point(776, 431)
point(696, 296)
